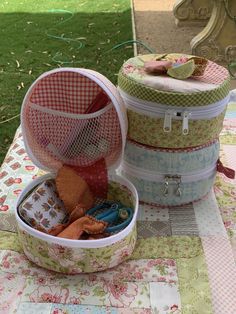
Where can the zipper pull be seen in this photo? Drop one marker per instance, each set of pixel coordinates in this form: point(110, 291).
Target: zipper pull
point(166, 187)
point(185, 116)
point(178, 191)
point(167, 121)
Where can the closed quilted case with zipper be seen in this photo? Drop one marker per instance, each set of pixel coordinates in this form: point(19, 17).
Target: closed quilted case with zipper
point(172, 110)
point(171, 177)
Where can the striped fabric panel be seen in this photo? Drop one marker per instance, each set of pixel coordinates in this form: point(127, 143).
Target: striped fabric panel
point(222, 276)
point(183, 221)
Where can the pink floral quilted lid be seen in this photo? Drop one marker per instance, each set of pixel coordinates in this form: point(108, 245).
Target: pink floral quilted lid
point(73, 116)
point(175, 72)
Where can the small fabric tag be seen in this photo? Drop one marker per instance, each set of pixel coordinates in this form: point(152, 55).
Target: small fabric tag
point(229, 173)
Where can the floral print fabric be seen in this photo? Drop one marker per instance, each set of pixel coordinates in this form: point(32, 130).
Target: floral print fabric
point(43, 207)
point(16, 172)
point(149, 131)
point(140, 285)
point(134, 68)
point(168, 274)
point(209, 89)
point(76, 260)
point(72, 260)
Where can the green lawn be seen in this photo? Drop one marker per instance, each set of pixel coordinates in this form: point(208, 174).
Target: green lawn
point(37, 36)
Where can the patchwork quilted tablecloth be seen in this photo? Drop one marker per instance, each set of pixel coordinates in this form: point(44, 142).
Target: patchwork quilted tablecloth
point(184, 261)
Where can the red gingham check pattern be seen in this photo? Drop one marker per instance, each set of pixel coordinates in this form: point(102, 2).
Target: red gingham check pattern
point(57, 138)
point(222, 274)
point(65, 91)
point(213, 74)
point(66, 141)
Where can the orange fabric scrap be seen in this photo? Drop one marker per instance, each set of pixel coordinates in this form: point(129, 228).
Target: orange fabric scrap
point(77, 213)
point(73, 189)
point(86, 224)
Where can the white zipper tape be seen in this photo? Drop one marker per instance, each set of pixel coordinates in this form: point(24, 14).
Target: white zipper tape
point(160, 177)
point(197, 112)
point(153, 109)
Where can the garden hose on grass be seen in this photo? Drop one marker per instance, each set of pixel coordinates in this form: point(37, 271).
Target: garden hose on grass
point(67, 40)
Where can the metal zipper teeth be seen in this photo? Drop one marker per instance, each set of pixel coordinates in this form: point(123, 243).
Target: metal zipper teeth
point(159, 110)
point(160, 177)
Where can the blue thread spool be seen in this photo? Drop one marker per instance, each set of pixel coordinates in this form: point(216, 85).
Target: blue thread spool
point(113, 212)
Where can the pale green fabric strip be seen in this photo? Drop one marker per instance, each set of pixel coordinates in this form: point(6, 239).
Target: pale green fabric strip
point(188, 253)
point(9, 241)
point(154, 247)
point(192, 270)
point(194, 285)
point(167, 247)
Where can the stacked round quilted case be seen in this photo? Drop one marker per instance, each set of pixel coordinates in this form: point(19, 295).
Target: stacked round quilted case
point(175, 119)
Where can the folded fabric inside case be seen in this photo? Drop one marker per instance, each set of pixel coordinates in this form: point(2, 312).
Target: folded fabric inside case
point(42, 206)
point(46, 208)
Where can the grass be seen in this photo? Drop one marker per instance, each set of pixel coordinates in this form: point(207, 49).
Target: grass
point(33, 40)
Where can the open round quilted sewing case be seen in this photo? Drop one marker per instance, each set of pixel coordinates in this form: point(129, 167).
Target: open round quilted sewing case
point(74, 127)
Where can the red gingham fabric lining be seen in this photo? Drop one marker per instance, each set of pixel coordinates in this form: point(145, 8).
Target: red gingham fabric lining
point(56, 139)
point(213, 74)
point(65, 91)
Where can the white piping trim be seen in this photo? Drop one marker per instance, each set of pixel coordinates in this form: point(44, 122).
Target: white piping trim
point(156, 109)
point(70, 115)
point(149, 175)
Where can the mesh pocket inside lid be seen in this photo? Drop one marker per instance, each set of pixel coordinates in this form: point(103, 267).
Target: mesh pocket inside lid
point(69, 118)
